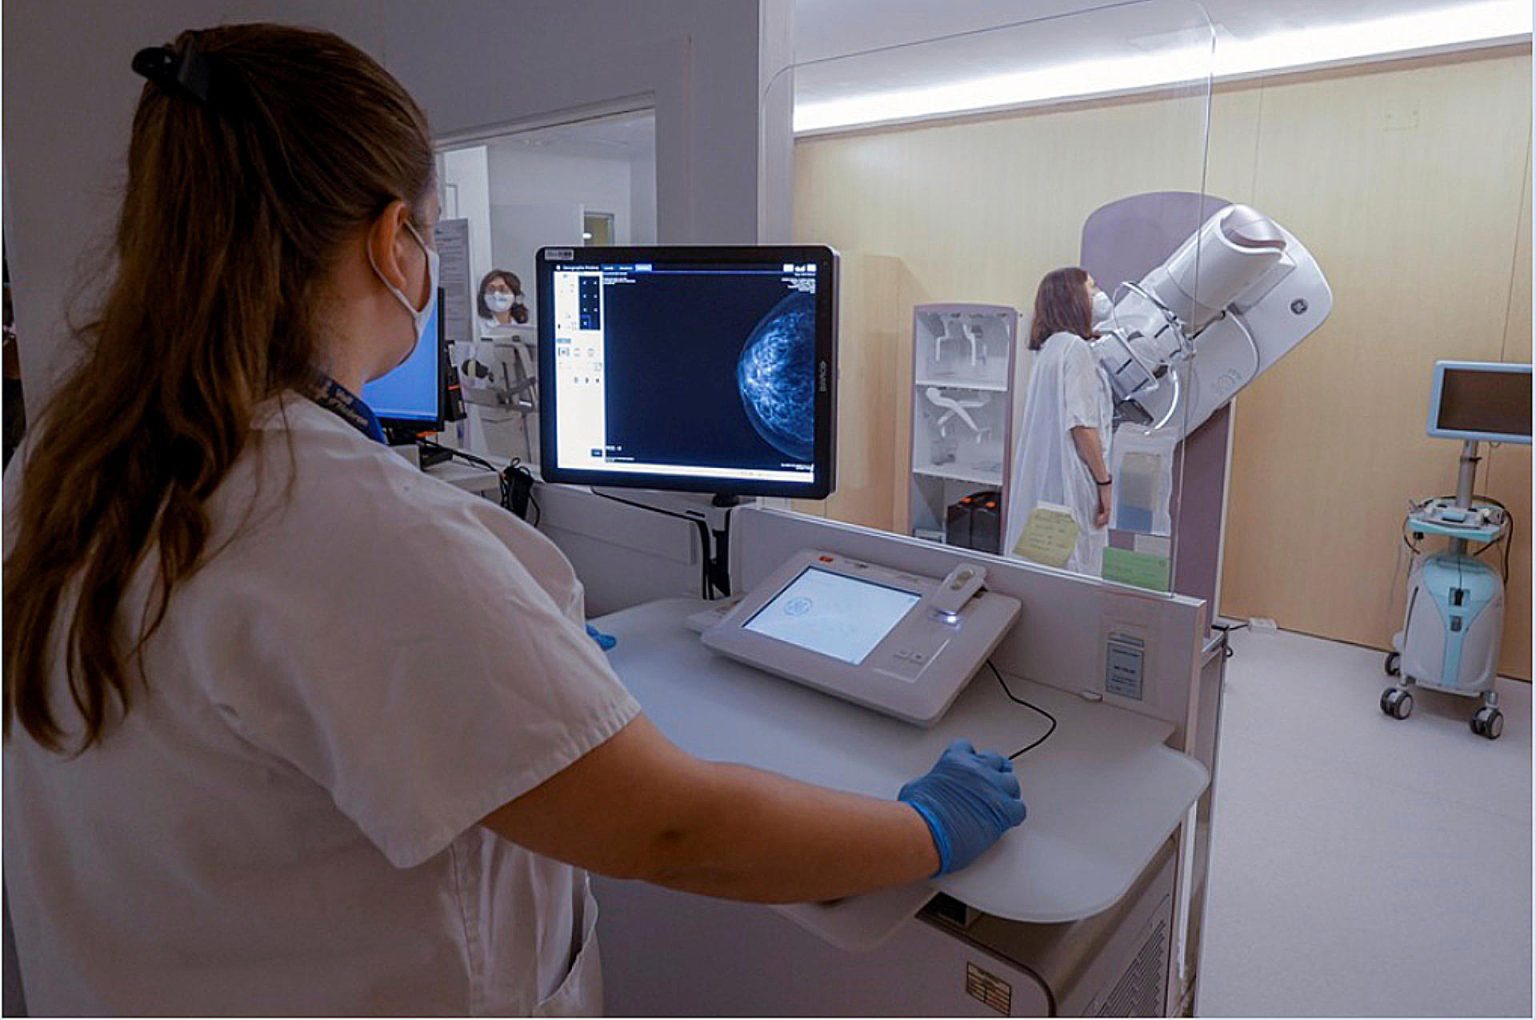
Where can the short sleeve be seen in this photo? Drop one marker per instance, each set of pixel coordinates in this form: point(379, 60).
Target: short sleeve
point(1082, 388)
point(424, 678)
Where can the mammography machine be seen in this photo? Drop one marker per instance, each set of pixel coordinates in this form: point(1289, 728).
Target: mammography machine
point(1226, 305)
point(1454, 619)
point(887, 639)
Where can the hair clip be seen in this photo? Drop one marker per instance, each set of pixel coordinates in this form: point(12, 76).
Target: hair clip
point(184, 74)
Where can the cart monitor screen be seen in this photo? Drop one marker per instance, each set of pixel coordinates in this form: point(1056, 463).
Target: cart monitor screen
point(1490, 402)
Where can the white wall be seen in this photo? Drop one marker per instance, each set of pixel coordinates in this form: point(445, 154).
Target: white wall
point(521, 177)
point(519, 230)
point(468, 172)
point(697, 60)
point(477, 67)
point(642, 201)
point(539, 198)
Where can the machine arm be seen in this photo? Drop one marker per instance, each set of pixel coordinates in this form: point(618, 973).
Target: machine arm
point(1227, 304)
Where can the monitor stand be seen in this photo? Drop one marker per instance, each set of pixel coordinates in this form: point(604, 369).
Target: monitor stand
point(714, 512)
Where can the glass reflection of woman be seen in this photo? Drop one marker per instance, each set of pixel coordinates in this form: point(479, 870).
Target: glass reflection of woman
point(1063, 453)
point(501, 299)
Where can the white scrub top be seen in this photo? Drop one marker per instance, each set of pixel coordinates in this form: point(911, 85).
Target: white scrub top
point(1066, 391)
point(285, 822)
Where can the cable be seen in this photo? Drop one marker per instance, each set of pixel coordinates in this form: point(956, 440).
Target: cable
point(1020, 701)
point(1509, 540)
point(706, 588)
point(503, 480)
point(435, 447)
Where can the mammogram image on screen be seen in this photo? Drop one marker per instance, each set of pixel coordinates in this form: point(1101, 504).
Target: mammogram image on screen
point(776, 376)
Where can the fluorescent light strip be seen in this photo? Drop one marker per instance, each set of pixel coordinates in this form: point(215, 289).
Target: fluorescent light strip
point(1443, 28)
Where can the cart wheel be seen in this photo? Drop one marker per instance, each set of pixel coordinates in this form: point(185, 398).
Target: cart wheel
point(1392, 665)
point(1397, 702)
point(1488, 722)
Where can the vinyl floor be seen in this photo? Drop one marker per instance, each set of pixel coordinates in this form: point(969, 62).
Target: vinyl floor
point(1361, 865)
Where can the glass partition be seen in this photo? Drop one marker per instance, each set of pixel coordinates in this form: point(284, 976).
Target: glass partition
point(956, 177)
point(591, 181)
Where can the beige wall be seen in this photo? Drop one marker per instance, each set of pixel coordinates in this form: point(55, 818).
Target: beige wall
point(1409, 183)
point(1408, 186)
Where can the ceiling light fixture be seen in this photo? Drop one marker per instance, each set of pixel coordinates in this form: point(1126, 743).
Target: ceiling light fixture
point(1453, 27)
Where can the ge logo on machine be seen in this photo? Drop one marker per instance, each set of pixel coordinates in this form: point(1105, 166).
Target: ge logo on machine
point(1299, 306)
point(797, 607)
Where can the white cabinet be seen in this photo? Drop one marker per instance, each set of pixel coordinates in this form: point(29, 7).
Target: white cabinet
point(962, 421)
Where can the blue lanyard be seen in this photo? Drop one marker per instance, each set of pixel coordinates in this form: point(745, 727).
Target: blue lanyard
point(346, 405)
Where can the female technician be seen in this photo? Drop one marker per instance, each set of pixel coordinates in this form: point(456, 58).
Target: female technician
point(500, 301)
point(1063, 454)
point(254, 763)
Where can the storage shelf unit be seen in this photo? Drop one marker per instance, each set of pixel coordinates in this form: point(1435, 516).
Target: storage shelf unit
point(950, 382)
point(990, 479)
point(962, 421)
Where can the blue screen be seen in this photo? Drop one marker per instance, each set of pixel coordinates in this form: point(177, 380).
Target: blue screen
point(411, 391)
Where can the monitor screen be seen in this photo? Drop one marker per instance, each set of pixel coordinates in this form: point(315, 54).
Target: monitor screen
point(702, 369)
point(412, 393)
point(1487, 401)
point(833, 614)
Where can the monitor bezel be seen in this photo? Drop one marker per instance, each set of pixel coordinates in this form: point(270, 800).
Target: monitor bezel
point(1441, 367)
point(414, 425)
point(825, 444)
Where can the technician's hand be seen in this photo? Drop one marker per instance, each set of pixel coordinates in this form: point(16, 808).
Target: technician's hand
point(1101, 519)
point(969, 799)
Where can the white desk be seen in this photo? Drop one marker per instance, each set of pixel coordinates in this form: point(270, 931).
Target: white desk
point(469, 477)
point(1103, 792)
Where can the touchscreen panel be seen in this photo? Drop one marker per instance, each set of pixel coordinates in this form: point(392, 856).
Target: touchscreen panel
point(833, 614)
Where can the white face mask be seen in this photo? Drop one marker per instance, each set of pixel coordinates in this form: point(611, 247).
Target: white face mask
point(423, 317)
point(1103, 307)
point(498, 300)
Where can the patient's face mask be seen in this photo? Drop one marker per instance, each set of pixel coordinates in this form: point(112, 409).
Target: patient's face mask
point(1103, 307)
point(420, 318)
point(498, 300)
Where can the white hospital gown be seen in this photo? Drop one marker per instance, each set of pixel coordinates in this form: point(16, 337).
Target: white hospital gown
point(286, 820)
point(1066, 390)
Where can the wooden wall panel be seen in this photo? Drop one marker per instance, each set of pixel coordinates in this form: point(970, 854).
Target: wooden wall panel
point(975, 211)
point(1509, 467)
point(1407, 182)
point(874, 344)
point(1407, 186)
point(980, 209)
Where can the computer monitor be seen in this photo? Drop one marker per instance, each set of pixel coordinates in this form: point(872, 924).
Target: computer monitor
point(1487, 401)
point(700, 369)
point(413, 396)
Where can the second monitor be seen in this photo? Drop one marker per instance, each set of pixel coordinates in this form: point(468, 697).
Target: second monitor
point(703, 369)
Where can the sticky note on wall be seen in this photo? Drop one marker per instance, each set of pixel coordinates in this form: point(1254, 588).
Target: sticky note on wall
point(1049, 535)
point(1143, 570)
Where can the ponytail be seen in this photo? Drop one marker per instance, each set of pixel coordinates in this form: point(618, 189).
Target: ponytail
point(257, 151)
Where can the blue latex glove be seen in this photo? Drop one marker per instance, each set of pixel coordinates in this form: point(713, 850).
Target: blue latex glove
point(969, 799)
point(604, 641)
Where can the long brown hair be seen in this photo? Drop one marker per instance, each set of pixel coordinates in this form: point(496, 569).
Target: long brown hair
point(1062, 305)
point(237, 201)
